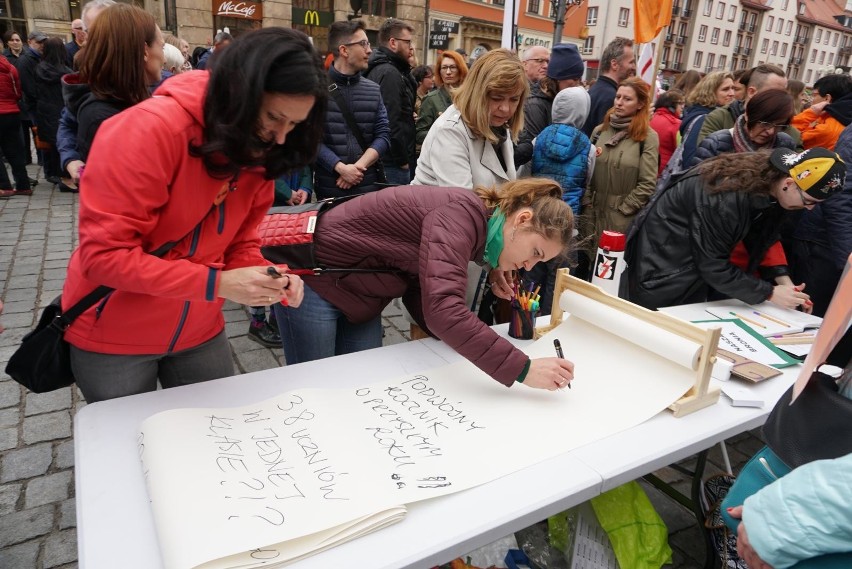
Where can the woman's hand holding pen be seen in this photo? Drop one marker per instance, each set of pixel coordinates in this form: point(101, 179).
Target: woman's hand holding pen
point(549, 373)
point(257, 286)
point(501, 283)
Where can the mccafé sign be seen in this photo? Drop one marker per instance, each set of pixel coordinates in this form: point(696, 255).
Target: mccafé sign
point(238, 9)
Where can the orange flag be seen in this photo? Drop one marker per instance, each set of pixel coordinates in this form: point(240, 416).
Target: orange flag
point(650, 16)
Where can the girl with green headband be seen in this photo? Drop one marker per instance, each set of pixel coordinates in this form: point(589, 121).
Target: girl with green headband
point(416, 243)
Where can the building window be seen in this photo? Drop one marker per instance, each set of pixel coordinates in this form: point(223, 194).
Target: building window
point(588, 45)
point(702, 33)
point(726, 39)
point(678, 57)
point(774, 50)
point(732, 13)
point(808, 75)
point(769, 21)
point(789, 27)
point(714, 37)
point(723, 61)
point(720, 11)
point(780, 26)
point(623, 16)
point(834, 40)
point(533, 6)
point(696, 62)
point(818, 35)
point(830, 58)
point(708, 7)
point(764, 46)
point(786, 3)
point(711, 61)
point(783, 50)
point(592, 16)
point(802, 13)
point(666, 53)
point(821, 57)
point(813, 55)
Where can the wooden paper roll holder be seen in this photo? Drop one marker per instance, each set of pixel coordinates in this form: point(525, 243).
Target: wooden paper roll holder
point(699, 395)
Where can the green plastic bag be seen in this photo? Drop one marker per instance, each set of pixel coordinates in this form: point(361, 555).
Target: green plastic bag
point(638, 535)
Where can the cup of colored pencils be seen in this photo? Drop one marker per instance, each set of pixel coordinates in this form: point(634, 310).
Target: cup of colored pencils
point(525, 307)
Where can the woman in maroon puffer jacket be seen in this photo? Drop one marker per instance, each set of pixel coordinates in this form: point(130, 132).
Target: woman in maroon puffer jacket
point(426, 236)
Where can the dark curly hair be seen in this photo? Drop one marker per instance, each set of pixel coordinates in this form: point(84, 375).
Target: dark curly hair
point(268, 60)
point(743, 171)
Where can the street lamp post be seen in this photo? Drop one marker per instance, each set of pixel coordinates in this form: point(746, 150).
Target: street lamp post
point(560, 8)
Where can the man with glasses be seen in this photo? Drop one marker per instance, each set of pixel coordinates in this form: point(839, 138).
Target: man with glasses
point(73, 46)
point(356, 113)
point(535, 62)
point(389, 68)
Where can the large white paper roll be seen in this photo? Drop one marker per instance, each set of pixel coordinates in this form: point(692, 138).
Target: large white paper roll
point(661, 342)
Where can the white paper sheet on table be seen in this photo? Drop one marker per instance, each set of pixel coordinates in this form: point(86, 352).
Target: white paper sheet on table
point(258, 485)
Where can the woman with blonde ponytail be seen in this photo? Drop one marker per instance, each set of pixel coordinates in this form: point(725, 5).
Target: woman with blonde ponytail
point(415, 243)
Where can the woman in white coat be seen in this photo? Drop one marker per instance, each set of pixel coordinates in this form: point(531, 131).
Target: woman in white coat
point(471, 142)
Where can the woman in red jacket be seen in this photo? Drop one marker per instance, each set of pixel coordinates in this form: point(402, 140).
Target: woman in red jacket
point(11, 142)
point(415, 243)
point(192, 165)
point(666, 121)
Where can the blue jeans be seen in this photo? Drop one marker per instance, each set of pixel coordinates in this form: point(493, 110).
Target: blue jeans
point(397, 175)
point(318, 329)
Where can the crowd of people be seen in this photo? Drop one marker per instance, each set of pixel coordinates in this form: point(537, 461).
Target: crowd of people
point(474, 173)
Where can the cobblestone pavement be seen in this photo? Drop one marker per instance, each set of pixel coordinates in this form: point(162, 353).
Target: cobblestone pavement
point(37, 510)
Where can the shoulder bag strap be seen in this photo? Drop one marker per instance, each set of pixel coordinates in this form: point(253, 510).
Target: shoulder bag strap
point(348, 116)
point(96, 295)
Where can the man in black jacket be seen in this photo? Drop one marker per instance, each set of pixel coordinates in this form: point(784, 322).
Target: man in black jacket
point(26, 65)
point(390, 69)
point(617, 64)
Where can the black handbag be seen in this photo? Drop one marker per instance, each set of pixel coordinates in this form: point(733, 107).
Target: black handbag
point(42, 362)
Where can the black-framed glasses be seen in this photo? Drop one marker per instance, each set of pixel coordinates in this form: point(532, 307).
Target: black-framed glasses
point(767, 125)
point(400, 39)
point(539, 60)
point(363, 43)
point(449, 67)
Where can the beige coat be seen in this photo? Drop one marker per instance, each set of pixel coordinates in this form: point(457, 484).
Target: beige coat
point(622, 183)
point(453, 156)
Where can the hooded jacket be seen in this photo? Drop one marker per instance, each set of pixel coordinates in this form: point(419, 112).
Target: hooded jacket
point(88, 111)
point(49, 103)
point(824, 129)
point(161, 193)
point(681, 246)
point(26, 65)
point(665, 124)
point(390, 70)
point(429, 234)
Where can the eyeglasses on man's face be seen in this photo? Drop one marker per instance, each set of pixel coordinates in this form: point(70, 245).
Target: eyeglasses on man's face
point(539, 60)
point(400, 39)
point(363, 43)
point(449, 68)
